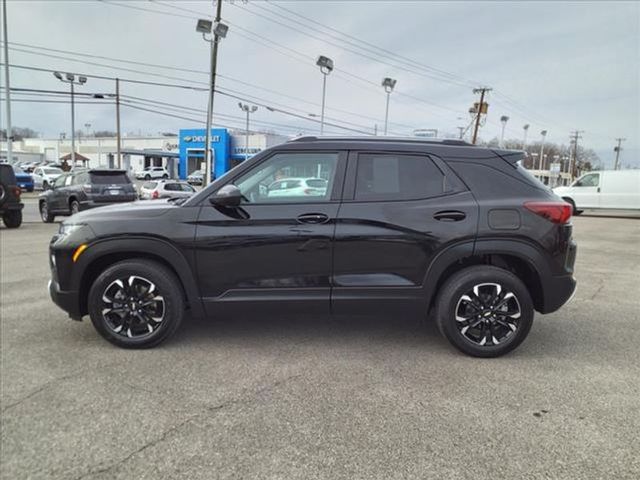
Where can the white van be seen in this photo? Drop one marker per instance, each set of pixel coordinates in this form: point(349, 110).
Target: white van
point(615, 189)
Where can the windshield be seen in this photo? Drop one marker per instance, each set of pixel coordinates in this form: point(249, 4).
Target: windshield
point(51, 171)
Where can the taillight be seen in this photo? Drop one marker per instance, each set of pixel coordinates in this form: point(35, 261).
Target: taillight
point(86, 188)
point(556, 212)
point(17, 192)
point(154, 194)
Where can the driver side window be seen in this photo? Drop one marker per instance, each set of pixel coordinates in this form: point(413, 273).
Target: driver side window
point(590, 180)
point(290, 178)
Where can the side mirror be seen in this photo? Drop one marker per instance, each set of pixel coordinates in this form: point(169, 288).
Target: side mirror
point(227, 196)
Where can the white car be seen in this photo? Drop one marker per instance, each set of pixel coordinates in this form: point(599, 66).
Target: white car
point(614, 189)
point(298, 187)
point(43, 177)
point(165, 189)
point(150, 173)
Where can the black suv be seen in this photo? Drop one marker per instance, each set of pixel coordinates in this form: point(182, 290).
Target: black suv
point(80, 190)
point(10, 204)
point(443, 228)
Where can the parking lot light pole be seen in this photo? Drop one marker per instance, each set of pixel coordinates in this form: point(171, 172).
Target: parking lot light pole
point(503, 120)
point(219, 31)
point(326, 67)
point(248, 109)
point(388, 84)
point(70, 78)
point(543, 133)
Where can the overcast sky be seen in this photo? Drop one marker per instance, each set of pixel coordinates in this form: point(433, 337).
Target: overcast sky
point(555, 65)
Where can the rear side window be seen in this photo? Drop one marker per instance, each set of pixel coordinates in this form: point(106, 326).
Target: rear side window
point(397, 177)
point(317, 183)
point(172, 187)
point(109, 178)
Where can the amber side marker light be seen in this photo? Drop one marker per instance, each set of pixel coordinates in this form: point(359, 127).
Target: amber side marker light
point(79, 251)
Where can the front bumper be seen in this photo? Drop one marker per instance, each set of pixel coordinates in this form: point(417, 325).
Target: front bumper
point(67, 301)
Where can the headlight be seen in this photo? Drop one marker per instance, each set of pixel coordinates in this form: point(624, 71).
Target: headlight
point(68, 228)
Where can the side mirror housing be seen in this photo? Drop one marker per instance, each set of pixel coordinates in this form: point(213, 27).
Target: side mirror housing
point(227, 196)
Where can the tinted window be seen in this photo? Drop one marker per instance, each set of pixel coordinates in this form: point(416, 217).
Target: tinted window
point(172, 187)
point(81, 178)
point(149, 185)
point(279, 178)
point(187, 188)
point(317, 183)
point(108, 178)
point(397, 177)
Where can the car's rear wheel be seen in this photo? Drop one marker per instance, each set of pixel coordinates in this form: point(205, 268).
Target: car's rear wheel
point(45, 213)
point(484, 311)
point(74, 206)
point(12, 218)
point(147, 177)
point(165, 176)
point(136, 304)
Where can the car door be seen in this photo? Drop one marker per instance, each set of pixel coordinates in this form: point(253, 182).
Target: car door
point(585, 192)
point(271, 252)
point(399, 211)
point(57, 194)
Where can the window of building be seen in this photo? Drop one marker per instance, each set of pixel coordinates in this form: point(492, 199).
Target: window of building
point(397, 177)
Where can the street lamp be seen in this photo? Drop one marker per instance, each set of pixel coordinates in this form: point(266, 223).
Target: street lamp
point(388, 84)
point(70, 78)
point(326, 67)
point(218, 30)
point(247, 109)
point(543, 133)
point(503, 119)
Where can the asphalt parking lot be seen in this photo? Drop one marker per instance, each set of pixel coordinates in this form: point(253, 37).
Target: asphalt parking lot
point(324, 398)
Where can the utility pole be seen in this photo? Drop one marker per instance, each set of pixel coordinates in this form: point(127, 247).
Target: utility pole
point(617, 150)
point(9, 131)
point(482, 91)
point(575, 136)
point(118, 143)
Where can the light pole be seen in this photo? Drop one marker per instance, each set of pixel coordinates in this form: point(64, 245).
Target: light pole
point(219, 31)
point(543, 133)
point(503, 119)
point(9, 130)
point(388, 84)
point(70, 78)
point(87, 126)
point(247, 109)
point(326, 67)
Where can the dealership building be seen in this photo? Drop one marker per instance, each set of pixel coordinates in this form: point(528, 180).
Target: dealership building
point(181, 154)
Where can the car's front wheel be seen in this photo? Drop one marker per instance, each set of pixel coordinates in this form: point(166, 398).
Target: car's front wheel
point(74, 206)
point(45, 213)
point(136, 304)
point(484, 311)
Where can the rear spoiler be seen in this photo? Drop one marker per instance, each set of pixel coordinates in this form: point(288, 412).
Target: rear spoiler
point(512, 157)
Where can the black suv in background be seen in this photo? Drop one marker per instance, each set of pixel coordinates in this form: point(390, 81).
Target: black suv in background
point(80, 190)
point(10, 204)
point(458, 231)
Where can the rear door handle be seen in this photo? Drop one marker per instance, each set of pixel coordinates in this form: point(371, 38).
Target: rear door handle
point(449, 216)
point(314, 218)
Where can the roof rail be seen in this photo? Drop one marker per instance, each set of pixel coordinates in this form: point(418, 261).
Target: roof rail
point(444, 141)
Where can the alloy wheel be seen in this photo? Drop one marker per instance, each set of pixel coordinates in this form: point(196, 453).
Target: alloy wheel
point(488, 315)
point(133, 307)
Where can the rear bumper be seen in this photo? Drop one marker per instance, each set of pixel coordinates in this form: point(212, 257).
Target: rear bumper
point(67, 301)
point(558, 291)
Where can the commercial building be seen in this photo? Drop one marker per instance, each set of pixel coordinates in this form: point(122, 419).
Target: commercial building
point(181, 154)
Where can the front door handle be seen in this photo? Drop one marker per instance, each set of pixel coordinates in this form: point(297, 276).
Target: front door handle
point(314, 218)
point(450, 216)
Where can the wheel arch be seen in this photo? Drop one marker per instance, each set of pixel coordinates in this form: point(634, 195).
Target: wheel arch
point(518, 257)
point(102, 254)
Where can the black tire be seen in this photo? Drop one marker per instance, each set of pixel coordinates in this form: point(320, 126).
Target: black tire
point(165, 176)
point(574, 211)
point(147, 177)
point(45, 185)
point(113, 326)
point(30, 189)
point(45, 214)
point(3, 193)
point(74, 206)
point(12, 218)
point(452, 306)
